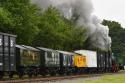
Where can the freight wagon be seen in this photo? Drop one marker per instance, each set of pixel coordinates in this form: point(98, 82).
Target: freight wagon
point(104, 61)
point(66, 62)
point(27, 60)
point(97, 61)
point(80, 63)
point(49, 60)
point(7, 54)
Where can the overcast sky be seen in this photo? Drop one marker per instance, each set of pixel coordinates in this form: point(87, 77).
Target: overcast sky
point(110, 9)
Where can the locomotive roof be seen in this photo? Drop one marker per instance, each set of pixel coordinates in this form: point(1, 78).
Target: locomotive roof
point(30, 48)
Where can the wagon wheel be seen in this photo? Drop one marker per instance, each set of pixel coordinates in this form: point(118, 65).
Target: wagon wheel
point(30, 75)
point(35, 73)
point(61, 73)
point(10, 75)
point(52, 73)
point(1, 76)
point(43, 74)
point(20, 75)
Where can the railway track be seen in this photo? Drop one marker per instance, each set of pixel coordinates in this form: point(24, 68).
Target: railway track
point(56, 78)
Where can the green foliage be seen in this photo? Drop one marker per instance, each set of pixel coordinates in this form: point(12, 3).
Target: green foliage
point(117, 34)
point(118, 78)
point(25, 17)
point(58, 33)
point(6, 21)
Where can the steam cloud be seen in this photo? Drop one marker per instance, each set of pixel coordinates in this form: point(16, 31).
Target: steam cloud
point(82, 10)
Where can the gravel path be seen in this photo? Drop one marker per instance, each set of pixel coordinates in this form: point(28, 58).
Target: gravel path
point(74, 80)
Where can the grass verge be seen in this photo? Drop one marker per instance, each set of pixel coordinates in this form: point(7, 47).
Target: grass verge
point(108, 79)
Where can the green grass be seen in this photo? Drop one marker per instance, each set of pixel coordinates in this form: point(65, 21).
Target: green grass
point(108, 79)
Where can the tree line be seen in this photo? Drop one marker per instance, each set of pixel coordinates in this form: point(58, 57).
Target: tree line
point(117, 33)
point(49, 28)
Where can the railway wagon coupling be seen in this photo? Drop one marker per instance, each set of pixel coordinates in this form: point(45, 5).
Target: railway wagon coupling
point(33, 61)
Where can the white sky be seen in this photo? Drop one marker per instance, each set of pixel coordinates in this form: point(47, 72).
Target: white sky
point(110, 10)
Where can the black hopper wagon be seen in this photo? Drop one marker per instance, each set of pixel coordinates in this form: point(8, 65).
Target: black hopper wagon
point(7, 54)
point(104, 61)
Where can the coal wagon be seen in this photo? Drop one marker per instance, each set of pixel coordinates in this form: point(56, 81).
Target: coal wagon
point(7, 54)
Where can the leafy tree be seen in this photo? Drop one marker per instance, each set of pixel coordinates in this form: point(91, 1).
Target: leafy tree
point(25, 17)
point(117, 33)
point(57, 32)
point(6, 21)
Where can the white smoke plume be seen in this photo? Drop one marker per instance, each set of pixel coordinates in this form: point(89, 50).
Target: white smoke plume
point(97, 33)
